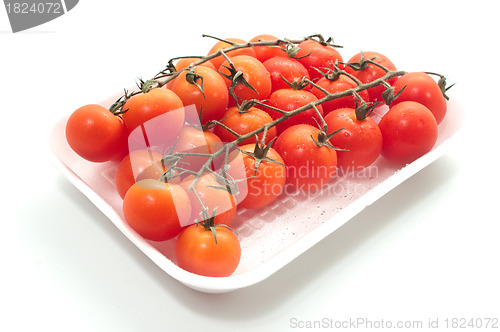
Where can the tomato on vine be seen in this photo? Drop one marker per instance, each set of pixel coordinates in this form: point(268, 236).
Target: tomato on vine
point(132, 166)
point(421, 88)
point(359, 138)
point(310, 159)
point(365, 66)
point(226, 43)
point(409, 131)
point(96, 134)
point(283, 69)
point(210, 196)
point(196, 145)
point(243, 121)
point(287, 100)
point(205, 88)
point(265, 173)
point(334, 82)
point(143, 107)
point(208, 249)
point(246, 78)
point(317, 54)
point(156, 210)
point(262, 53)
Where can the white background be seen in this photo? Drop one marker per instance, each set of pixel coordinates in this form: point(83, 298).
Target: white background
point(427, 250)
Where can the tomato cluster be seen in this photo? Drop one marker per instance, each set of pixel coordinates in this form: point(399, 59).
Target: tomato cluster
point(268, 113)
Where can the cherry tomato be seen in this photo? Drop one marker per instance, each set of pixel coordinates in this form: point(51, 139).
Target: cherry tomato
point(313, 54)
point(267, 52)
point(409, 131)
point(287, 68)
point(156, 210)
point(186, 62)
point(254, 73)
point(213, 195)
point(205, 88)
point(371, 72)
point(309, 165)
point(194, 140)
point(96, 134)
point(266, 182)
point(243, 123)
point(289, 100)
point(133, 165)
point(197, 251)
point(156, 102)
point(217, 61)
point(336, 85)
point(422, 88)
point(360, 137)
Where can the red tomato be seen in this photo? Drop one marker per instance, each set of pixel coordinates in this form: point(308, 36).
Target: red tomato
point(244, 123)
point(96, 134)
point(421, 88)
point(313, 54)
point(289, 100)
point(287, 68)
point(133, 165)
point(361, 138)
point(212, 101)
point(371, 72)
point(254, 73)
point(217, 61)
point(186, 62)
point(213, 196)
point(162, 104)
point(266, 182)
point(194, 140)
point(267, 52)
point(409, 131)
point(197, 251)
point(336, 85)
point(156, 210)
point(309, 165)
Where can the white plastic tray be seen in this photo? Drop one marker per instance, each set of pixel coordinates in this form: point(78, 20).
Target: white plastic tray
point(271, 237)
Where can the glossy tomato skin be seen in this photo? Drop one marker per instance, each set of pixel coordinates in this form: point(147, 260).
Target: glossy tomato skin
point(372, 72)
point(267, 182)
point(217, 61)
point(213, 196)
point(289, 100)
point(133, 165)
point(284, 67)
point(95, 134)
point(186, 62)
point(156, 210)
point(342, 83)
point(361, 138)
point(422, 88)
point(156, 102)
point(267, 52)
point(254, 73)
point(212, 102)
point(196, 141)
point(244, 123)
point(197, 251)
point(409, 131)
point(313, 54)
point(309, 166)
